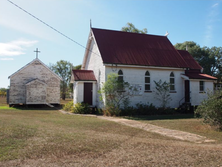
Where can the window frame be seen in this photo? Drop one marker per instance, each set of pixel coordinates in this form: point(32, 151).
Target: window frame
point(147, 76)
point(172, 82)
point(120, 78)
point(201, 86)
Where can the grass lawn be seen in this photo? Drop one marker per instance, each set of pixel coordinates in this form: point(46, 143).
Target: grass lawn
point(183, 122)
point(41, 137)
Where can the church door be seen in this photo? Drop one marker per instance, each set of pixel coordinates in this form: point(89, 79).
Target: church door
point(88, 90)
point(187, 91)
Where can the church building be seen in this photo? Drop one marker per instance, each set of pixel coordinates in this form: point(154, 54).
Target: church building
point(34, 83)
point(140, 59)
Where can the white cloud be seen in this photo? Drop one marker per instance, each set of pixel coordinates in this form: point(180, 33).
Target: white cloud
point(214, 5)
point(212, 18)
point(15, 48)
point(6, 59)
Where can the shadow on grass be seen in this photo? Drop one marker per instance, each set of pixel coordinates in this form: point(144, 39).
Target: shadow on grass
point(36, 107)
point(160, 117)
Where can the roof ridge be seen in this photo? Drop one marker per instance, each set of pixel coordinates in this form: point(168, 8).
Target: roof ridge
point(128, 32)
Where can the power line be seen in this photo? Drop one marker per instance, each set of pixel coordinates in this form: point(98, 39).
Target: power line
point(50, 26)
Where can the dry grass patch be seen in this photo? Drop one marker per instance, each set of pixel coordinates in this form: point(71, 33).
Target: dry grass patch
point(49, 138)
point(185, 123)
point(46, 134)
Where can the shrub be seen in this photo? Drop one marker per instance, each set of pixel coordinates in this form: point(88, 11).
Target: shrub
point(145, 109)
point(115, 94)
point(128, 111)
point(78, 108)
point(162, 92)
point(68, 106)
point(81, 108)
point(211, 110)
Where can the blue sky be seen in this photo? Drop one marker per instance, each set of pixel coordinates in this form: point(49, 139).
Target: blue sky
point(20, 34)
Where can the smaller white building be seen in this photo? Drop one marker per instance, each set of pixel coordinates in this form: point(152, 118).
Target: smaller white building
point(34, 83)
point(140, 59)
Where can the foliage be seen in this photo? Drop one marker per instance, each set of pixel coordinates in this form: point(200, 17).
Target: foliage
point(78, 108)
point(115, 94)
point(63, 69)
point(68, 106)
point(70, 88)
point(3, 92)
point(131, 28)
point(211, 109)
point(78, 67)
point(209, 58)
point(146, 109)
point(162, 92)
point(81, 108)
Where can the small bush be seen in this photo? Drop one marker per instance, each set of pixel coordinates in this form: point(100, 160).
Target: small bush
point(78, 108)
point(145, 109)
point(211, 110)
point(68, 106)
point(81, 108)
point(111, 110)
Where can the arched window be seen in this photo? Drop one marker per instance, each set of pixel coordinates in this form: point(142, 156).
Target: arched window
point(172, 81)
point(120, 79)
point(120, 75)
point(147, 81)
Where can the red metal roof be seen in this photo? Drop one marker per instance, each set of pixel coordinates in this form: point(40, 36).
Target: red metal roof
point(195, 74)
point(83, 75)
point(118, 47)
point(192, 64)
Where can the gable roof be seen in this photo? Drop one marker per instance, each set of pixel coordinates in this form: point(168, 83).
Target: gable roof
point(118, 47)
point(39, 61)
point(83, 75)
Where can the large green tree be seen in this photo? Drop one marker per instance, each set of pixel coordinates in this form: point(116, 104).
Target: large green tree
point(63, 69)
point(209, 58)
point(131, 28)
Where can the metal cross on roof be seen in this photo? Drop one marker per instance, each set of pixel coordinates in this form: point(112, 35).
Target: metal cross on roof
point(37, 51)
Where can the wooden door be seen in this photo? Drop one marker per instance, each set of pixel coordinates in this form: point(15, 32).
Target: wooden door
point(187, 91)
point(88, 93)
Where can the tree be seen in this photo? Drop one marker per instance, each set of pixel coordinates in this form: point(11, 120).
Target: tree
point(162, 92)
point(3, 92)
point(211, 109)
point(131, 28)
point(116, 94)
point(63, 69)
point(209, 58)
point(70, 88)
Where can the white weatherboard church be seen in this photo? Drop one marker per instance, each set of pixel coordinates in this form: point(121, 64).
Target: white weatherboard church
point(140, 59)
point(34, 83)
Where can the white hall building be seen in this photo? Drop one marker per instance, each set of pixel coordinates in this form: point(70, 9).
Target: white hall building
point(140, 59)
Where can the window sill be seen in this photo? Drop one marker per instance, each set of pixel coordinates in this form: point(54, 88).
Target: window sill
point(148, 91)
point(173, 91)
point(202, 92)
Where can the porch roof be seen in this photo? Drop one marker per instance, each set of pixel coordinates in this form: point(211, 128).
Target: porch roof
point(83, 75)
point(198, 75)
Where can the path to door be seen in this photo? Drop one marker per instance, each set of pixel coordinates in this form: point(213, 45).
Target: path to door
point(162, 131)
point(185, 136)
